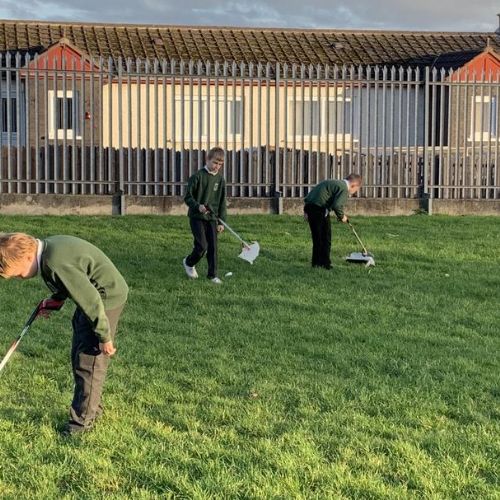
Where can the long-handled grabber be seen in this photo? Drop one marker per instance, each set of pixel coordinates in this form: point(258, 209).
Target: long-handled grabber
point(360, 257)
point(44, 305)
point(250, 251)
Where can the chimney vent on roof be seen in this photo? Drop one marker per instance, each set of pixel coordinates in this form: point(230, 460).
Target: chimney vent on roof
point(498, 29)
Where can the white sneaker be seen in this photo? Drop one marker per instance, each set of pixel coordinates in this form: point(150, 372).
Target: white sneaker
point(216, 281)
point(190, 271)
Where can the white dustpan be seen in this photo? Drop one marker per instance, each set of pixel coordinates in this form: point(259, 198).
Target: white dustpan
point(361, 258)
point(250, 251)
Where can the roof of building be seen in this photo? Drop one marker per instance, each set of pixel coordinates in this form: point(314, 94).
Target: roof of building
point(300, 46)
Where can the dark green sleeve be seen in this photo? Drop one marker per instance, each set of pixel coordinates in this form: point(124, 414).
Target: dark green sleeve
point(222, 203)
point(62, 293)
point(338, 204)
point(59, 296)
point(85, 295)
point(190, 196)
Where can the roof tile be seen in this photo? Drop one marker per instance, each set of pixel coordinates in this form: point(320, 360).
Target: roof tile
point(310, 47)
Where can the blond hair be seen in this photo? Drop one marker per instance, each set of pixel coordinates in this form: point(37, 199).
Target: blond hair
point(356, 178)
point(216, 154)
point(13, 248)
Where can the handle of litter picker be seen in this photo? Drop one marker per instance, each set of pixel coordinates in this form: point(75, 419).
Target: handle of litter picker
point(16, 342)
point(365, 251)
point(234, 233)
point(51, 304)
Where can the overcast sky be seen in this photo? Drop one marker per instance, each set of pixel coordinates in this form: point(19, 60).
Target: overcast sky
point(442, 15)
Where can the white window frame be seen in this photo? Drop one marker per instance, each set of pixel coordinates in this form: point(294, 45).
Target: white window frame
point(196, 135)
point(61, 133)
point(229, 103)
point(214, 105)
point(475, 135)
point(301, 102)
point(331, 136)
point(323, 115)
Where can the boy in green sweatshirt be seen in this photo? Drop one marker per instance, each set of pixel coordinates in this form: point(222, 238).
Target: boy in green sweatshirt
point(326, 196)
point(75, 269)
point(206, 199)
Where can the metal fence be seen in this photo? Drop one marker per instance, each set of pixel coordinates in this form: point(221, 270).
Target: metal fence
point(94, 126)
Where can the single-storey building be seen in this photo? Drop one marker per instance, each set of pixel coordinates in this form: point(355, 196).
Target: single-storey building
point(70, 86)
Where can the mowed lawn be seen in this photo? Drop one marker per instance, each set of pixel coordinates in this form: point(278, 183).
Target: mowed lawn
point(285, 382)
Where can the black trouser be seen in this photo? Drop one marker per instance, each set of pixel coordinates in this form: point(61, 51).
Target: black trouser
point(89, 369)
point(321, 231)
point(205, 241)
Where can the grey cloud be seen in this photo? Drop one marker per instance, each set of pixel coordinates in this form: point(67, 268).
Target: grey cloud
point(382, 14)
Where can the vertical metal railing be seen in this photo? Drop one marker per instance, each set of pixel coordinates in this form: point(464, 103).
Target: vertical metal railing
point(76, 125)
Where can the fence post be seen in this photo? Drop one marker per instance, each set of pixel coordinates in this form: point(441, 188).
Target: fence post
point(118, 203)
point(426, 199)
point(277, 177)
point(120, 193)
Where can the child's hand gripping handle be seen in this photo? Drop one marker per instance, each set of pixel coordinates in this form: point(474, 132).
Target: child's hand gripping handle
point(46, 306)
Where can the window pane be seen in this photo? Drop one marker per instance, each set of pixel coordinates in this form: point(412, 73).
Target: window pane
point(199, 113)
point(295, 113)
point(64, 113)
point(481, 111)
point(306, 117)
point(335, 117)
point(3, 115)
point(202, 115)
point(493, 115)
point(348, 117)
point(312, 120)
point(235, 109)
point(337, 110)
point(13, 116)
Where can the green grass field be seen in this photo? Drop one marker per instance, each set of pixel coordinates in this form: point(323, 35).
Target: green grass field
point(285, 382)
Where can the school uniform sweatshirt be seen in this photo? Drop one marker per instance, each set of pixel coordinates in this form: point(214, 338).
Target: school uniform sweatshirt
point(331, 195)
point(207, 189)
point(74, 268)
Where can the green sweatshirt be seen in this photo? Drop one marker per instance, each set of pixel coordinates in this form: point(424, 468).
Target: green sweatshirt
point(331, 195)
point(75, 268)
point(206, 189)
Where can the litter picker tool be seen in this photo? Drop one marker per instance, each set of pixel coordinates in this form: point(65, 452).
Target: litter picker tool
point(363, 257)
point(47, 305)
point(250, 251)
